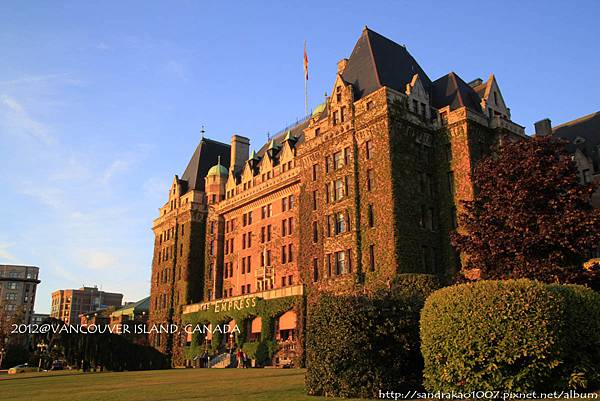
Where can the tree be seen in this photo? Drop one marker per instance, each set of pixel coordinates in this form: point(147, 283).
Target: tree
point(531, 216)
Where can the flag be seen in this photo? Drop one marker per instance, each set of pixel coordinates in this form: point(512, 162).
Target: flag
point(305, 63)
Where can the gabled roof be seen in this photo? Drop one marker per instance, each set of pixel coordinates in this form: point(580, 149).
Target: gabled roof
point(205, 156)
point(451, 90)
point(587, 128)
point(377, 61)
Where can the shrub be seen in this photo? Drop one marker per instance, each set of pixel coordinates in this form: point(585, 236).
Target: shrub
point(358, 345)
point(491, 335)
point(580, 339)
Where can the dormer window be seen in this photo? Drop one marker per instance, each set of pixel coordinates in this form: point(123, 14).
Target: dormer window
point(335, 118)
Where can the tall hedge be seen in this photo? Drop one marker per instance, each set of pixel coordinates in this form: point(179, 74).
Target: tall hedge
point(580, 337)
point(517, 335)
point(358, 345)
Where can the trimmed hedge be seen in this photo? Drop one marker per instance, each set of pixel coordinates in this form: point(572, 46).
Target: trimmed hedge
point(358, 345)
point(517, 335)
point(580, 346)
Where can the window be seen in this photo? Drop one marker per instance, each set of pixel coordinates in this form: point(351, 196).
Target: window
point(369, 105)
point(315, 232)
point(262, 235)
point(450, 181)
point(284, 254)
point(269, 232)
point(315, 270)
point(290, 279)
point(370, 180)
point(372, 257)
point(335, 117)
point(317, 131)
point(369, 148)
point(337, 160)
point(315, 172)
point(283, 281)
point(453, 217)
point(371, 217)
point(444, 117)
point(346, 155)
point(415, 106)
point(292, 201)
point(340, 223)
point(340, 262)
point(327, 164)
point(314, 200)
point(343, 114)
point(248, 288)
point(284, 204)
point(339, 189)
point(586, 176)
point(328, 265)
point(283, 227)
point(290, 253)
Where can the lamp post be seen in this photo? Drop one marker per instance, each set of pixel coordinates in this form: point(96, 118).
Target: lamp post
point(42, 347)
point(2, 352)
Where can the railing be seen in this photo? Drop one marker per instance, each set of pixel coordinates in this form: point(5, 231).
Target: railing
point(292, 125)
point(222, 359)
point(499, 122)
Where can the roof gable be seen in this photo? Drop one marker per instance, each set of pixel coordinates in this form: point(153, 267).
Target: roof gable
point(586, 128)
point(451, 90)
point(377, 61)
point(205, 156)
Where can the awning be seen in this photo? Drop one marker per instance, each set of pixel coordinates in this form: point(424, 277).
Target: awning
point(287, 321)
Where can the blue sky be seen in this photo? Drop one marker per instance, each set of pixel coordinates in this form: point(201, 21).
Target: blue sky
point(101, 103)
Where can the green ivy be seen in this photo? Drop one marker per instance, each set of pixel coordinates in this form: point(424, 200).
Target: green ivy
point(267, 310)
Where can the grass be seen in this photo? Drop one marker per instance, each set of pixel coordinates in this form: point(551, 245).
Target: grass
point(159, 385)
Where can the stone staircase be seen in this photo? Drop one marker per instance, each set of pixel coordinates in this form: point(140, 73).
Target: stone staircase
point(225, 360)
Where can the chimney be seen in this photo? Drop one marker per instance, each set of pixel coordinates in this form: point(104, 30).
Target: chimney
point(543, 127)
point(240, 147)
point(342, 65)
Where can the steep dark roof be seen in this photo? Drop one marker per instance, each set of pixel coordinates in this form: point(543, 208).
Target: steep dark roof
point(205, 156)
point(587, 128)
point(451, 90)
point(377, 61)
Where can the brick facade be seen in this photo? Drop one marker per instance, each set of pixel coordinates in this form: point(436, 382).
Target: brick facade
point(365, 188)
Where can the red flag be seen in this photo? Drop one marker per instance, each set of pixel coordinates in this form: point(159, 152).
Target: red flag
point(305, 63)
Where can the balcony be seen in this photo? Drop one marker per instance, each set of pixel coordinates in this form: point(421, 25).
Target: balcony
point(266, 271)
point(499, 122)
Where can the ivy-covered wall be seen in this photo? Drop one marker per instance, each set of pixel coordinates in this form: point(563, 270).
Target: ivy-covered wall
point(262, 351)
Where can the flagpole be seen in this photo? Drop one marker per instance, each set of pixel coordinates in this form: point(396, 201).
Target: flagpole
point(306, 95)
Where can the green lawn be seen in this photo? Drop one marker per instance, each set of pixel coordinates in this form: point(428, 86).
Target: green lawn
point(158, 385)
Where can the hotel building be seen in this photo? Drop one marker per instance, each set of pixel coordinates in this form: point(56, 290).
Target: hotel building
point(365, 188)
